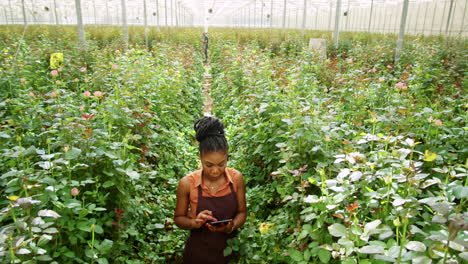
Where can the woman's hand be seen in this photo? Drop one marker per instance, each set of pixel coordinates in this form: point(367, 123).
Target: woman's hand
point(202, 218)
point(226, 228)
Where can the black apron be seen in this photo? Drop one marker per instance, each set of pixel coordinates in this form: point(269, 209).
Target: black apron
point(204, 246)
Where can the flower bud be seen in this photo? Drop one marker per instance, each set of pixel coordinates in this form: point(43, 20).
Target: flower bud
point(74, 191)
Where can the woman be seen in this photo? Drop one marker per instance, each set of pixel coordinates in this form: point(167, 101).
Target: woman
point(205, 45)
point(212, 193)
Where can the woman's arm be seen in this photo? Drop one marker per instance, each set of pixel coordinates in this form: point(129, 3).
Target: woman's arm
point(180, 214)
point(241, 215)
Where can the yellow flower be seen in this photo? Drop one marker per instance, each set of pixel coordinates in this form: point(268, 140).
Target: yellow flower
point(265, 227)
point(13, 198)
point(429, 156)
point(56, 60)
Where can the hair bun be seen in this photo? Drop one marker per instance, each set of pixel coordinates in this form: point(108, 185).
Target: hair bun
point(208, 126)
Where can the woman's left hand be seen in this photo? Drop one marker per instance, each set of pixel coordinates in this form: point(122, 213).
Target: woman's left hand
point(226, 228)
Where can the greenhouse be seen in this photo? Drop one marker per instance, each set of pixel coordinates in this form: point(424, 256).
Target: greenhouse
point(242, 131)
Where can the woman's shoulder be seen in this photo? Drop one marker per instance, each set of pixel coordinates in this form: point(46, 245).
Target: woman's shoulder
point(192, 177)
point(235, 174)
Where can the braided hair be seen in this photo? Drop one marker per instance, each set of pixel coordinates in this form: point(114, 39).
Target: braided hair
point(210, 134)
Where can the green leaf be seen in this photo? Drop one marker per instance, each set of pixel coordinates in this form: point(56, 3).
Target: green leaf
point(307, 255)
point(416, 246)
point(372, 249)
point(108, 184)
point(337, 230)
point(98, 229)
point(84, 226)
point(295, 254)
point(105, 246)
point(158, 226)
point(72, 153)
point(133, 175)
point(102, 261)
point(44, 258)
point(227, 251)
point(460, 192)
point(324, 255)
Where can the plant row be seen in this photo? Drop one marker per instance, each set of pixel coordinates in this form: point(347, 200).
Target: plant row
point(350, 159)
point(92, 141)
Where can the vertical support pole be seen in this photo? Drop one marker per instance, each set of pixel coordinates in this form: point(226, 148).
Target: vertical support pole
point(370, 16)
point(443, 16)
point(449, 17)
point(176, 11)
point(297, 17)
point(172, 13)
point(385, 22)
point(417, 18)
point(124, 21)
point(347, 17)
point(425, 17)
point(107, 12)
point(157, 15)
point(284, 15)
point(433, 16)
point(255, 14)
point(11, 12)
point(250, 18)
point(304, 13)
point(145, 20)
point(165, 11)
point(55, 13)
point(330, 16)
point(23, 9)
point(271, 14)
point(79, 19)
point(261, 15)
point(462, 25)
point(316, 18)
point(336, 34)
point(6, 15)
point(402, 30)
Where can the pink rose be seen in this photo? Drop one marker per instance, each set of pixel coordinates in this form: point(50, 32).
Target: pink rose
point(83, 69)
point(23, 80)
point(81, 108)
point(32, 94)
point(438, 122)
point(53, 94)
point(381, 79)
point(87, 94)
point(401, 85)
point(97, 93)
point(59, 69)
point(54, 73)
point(58, 82)
point(115, 66)
point(74, 191)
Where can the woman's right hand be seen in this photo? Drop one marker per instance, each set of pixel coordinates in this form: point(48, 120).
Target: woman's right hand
point(203, 217)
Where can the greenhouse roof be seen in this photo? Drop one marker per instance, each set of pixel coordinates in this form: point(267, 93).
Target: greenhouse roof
point(199, 9)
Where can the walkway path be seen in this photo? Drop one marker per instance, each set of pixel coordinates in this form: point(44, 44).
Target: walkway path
point(208, 102)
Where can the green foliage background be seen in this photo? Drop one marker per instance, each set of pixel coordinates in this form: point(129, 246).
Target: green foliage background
point(349, 159)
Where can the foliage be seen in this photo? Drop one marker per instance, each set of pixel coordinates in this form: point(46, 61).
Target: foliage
point(90, 150)
point(350, 159)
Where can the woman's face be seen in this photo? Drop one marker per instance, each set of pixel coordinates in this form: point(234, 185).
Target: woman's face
point(214, 163)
